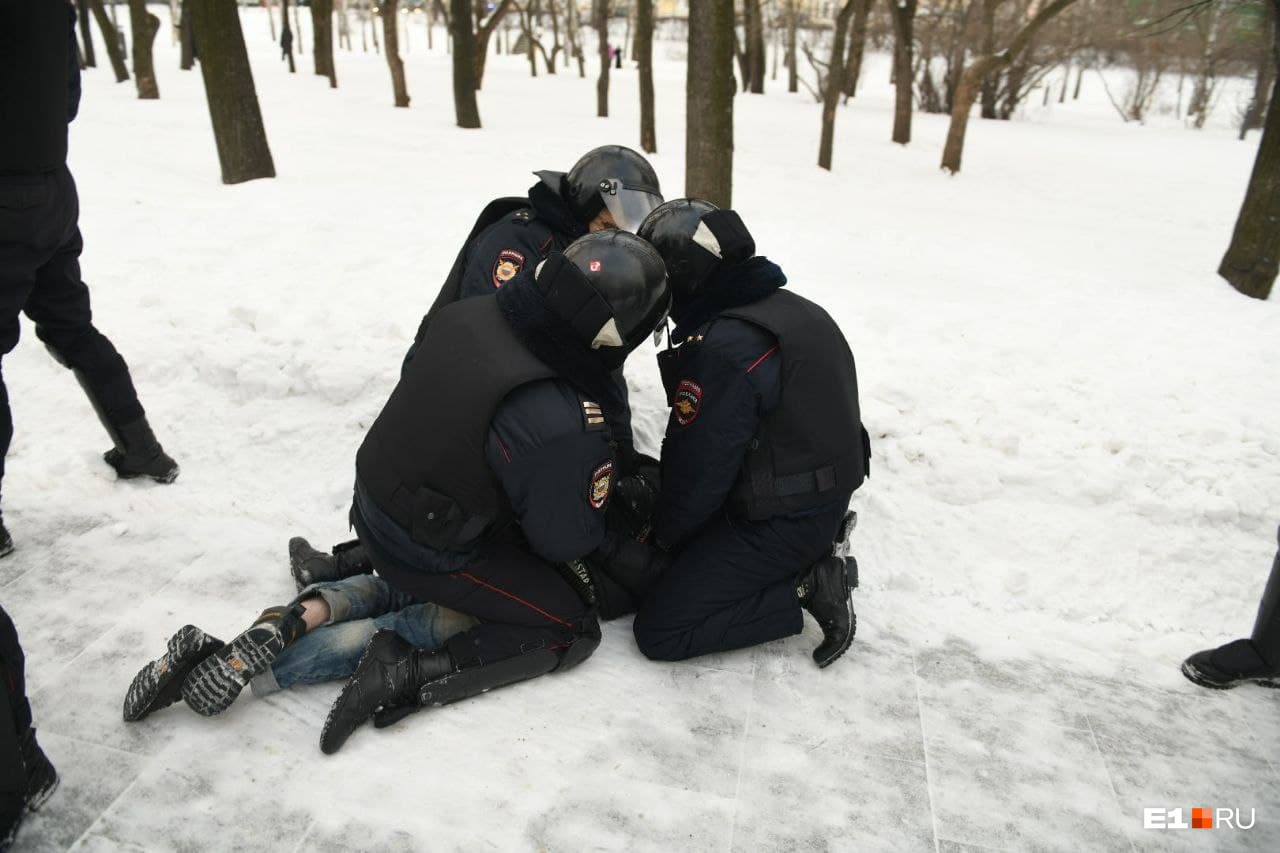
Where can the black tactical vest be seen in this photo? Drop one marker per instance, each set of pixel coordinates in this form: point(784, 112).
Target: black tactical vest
point(423, 460)
point(34, 68)
point(811, 449)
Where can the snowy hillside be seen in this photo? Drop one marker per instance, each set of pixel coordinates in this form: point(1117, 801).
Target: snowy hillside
point(1075, 484)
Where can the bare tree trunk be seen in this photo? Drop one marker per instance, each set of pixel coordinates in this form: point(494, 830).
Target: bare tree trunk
point(753, 19)
point(186, 38)
point(464, 64)
point(857, 46)
point(904, 13)
point(990, 87)
point(322, 40)
point(1265, 77)
point(144, 26)
point(286, 37)
point(399, 89)
point(1252, 260)
point(111, 39)
point(1075, 93)
point(573, 23)
point(600, 15)
point(644, 56)
point(835, 83)
point(86, 35)
point(974, 76)
point(793, 70)
point(483, 35)
point(228, 86)
point(709, 91)
point(1066, 80)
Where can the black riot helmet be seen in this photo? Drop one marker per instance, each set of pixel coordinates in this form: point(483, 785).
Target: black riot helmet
point(611, 287)
point(614, 177)
point(694, 237)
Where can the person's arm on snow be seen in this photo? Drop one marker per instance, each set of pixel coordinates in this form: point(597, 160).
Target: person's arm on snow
point(725, 383)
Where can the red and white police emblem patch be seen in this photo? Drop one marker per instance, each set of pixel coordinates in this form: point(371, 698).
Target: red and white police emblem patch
point(505, 268)
point(688, 400)
point(601, 484)
point(595, 266)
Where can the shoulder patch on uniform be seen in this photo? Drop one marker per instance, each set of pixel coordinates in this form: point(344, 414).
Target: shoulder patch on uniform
point(506, 266)
point(592, 416)
point(688, 401)
point(601, 484)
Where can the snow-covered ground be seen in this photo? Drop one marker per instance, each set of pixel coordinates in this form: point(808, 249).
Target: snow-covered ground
point(1076, 481)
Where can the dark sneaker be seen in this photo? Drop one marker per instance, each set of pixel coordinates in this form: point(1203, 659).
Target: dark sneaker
point(218, 679)
point(309, 565)
point(1237, 662)
point(42, 779)
point(825, 591)
point(159, 683)
point(388, 676)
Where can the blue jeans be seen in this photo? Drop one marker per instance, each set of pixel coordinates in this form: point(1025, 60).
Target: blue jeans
point(359, 607)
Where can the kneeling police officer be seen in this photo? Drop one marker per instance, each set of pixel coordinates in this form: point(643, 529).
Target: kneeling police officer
point(763, 450)
point(490, 468)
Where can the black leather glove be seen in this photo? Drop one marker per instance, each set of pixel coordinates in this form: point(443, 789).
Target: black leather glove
point(635, 497)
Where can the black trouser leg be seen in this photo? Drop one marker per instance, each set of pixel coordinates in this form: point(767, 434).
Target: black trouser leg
point(1266, 629)
point(15, 718)
point(733, 586)
point(59, 305)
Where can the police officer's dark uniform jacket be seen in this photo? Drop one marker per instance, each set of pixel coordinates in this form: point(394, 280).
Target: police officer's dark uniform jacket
point(763, 450)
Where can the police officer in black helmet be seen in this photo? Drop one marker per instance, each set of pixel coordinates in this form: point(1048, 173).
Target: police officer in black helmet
point(491, 467)
point(610, 187)
point(763, 450)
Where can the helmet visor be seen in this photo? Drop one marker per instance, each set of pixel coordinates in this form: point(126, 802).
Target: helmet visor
point(628, 205)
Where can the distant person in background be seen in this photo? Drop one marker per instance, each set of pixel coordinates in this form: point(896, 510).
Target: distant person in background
point(40, 240)
point(610, 187)
point(1253, 660)
point(27, 777)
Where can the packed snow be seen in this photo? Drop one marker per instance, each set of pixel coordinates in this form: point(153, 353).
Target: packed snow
point(1076, 480)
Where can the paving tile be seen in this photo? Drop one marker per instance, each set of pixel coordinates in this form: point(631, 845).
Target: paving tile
point(797, 797)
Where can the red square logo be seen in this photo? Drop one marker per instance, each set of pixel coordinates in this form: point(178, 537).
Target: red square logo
point(595, 266)
point(1202, 818)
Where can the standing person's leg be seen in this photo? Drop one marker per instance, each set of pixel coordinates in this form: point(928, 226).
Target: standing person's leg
point(59, 305)
point(1256, 659)
point(29, 234)
point(27, 778)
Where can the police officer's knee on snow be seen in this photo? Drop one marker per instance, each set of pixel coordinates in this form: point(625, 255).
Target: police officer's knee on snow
point(763, 450)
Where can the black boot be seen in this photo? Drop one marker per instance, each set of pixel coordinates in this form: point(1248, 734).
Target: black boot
point(159, 683)
point(825, 591)
point(6, 541)
point(310, 566)
point(138, 454)
point(217, 680)
point(42, 779)
point(388, 676)
point(1237, 662)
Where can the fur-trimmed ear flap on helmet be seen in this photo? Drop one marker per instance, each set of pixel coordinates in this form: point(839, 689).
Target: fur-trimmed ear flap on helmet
point(723, 234)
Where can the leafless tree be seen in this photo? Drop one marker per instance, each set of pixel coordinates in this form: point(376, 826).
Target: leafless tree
point(835, 83)
point(974, 76)
point(391, 37)
point(904, 13)
point(857, 46)
point(86, 34)
point(144, 26)
point(644, 58)
point(753, 23)
point(1264, 75)
point(709, 102)
point(465, 80)
point(322, 40)
point(187, 38)
point(233, 101)
point(484, 30)
point(111, 39)
point(600, 19)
